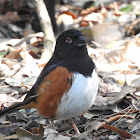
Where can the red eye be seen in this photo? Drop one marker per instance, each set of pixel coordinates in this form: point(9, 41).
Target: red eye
point(69, 40)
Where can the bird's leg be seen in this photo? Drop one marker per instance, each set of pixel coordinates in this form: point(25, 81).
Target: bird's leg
point(75, 127)
point(52, 124)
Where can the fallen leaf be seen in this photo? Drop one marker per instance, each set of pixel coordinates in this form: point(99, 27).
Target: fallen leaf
point(14, 81)
point(93, 125)
point(20, 132)
point(122, 133)
point(72, 14)
point(136, 83)
point(125, 90)
point(30, 64)
point(51, 134)
point(88, 115)
point(14, 136)
point(14, 53)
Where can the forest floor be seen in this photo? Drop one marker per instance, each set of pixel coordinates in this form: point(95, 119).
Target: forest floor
point(112, 31)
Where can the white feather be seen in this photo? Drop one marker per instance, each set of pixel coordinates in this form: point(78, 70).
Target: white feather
point(80, 96)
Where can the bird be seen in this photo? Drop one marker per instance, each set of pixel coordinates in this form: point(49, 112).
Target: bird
point(68, 84)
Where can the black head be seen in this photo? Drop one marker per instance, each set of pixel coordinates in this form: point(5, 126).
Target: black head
point(70, 44)
point(71, 53)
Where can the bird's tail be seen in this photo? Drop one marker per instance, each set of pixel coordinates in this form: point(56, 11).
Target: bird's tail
point(15, 107)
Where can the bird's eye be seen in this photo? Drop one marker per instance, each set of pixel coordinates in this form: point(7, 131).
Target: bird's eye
point(69, 40)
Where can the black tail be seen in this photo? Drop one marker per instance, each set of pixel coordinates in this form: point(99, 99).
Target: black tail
point(10, 109)
point(16, 106)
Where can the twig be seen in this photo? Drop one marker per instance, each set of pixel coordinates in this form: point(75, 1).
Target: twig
point(46, 25)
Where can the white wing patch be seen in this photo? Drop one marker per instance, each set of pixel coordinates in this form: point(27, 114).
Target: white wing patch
point(80, 96)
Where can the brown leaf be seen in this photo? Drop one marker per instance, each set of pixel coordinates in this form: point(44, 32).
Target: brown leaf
point(11, 16)
point(24, 133)
point(114, 118)
point(123, 134)
point(14, 53)
point(39, 130)
point(71, 14)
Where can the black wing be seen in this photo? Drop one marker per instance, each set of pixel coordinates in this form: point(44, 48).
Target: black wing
point(31, 94)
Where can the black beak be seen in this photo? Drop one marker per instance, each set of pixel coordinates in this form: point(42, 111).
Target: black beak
point(81, 41)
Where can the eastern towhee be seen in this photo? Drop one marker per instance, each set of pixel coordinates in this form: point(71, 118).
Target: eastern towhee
point(67, 85)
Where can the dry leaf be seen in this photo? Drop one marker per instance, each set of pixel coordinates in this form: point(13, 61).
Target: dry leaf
point(122, 133)
point(88, 115)
point(30, 64)
point(72, 14)
point(24, 133)
point(51, 134)
point(14, 136)
point(94, 125)
point(14, 53)
point(125, 90)
point(136, 83)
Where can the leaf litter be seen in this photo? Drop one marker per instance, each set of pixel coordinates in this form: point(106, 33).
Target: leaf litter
point(115, 47)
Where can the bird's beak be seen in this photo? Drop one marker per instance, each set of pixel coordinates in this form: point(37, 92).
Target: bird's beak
point(81, 41)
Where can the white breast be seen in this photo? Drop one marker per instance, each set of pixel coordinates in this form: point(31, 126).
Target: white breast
point(80, 96)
